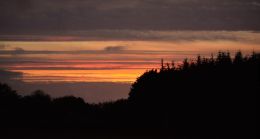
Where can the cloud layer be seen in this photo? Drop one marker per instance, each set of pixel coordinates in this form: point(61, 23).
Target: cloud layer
point(45, 16)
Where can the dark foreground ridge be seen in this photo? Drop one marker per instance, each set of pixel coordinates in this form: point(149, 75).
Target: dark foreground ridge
point(209, 97)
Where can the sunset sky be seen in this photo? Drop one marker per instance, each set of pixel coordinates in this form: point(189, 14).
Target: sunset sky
point(95, 49)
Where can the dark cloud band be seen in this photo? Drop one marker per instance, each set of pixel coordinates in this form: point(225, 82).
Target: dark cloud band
point(51, 16)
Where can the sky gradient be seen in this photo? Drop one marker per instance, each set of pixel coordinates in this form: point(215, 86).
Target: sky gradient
point(95, 49)
point(115, 61)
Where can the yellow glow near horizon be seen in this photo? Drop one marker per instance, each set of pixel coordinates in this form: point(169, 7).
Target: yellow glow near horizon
point(119, 75)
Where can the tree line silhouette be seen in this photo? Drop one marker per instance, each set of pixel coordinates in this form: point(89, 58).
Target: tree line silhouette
point(212, 97)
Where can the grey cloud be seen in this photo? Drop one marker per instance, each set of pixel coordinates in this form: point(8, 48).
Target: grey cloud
point(18, 50)
point(114, 48)
point(15, 51)
point(9, 75)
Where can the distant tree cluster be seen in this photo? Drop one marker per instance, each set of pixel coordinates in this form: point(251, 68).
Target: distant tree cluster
point(222, 58)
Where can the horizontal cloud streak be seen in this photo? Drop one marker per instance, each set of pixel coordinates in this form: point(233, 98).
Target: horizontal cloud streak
point(90, 52)
point(134, 35)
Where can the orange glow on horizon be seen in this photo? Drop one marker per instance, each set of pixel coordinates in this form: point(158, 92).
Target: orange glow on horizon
point(93, 63)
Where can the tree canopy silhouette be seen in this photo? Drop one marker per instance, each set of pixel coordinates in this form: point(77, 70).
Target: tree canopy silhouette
point(203, 97)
